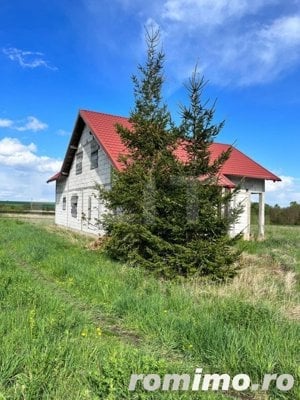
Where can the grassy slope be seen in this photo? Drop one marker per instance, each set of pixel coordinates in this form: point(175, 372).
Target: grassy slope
point(55, 293)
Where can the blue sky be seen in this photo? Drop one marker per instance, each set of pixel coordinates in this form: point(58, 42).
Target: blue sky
point(57, 57)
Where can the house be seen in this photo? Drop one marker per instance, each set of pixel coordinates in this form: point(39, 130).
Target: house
point(93, 152)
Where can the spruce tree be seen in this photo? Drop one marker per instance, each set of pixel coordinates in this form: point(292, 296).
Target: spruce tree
point(165, 214)
point(210, 250)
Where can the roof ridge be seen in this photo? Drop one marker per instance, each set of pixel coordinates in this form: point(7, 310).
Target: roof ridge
point(223, 144)
point(127, 118)
point(103, 113)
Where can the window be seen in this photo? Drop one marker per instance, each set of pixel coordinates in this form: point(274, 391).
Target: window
point(79, 157)
point(90, 208)
point(64, 203)
point(94, 154)
point(74, 205)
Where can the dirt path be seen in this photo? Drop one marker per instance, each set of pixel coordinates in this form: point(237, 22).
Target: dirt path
point(109, 325)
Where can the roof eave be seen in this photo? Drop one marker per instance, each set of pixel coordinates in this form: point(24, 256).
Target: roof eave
point(54, 177)
point(270, 177)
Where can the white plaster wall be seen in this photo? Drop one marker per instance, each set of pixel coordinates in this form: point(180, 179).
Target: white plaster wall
point(60, 214)
point(243, 198)
point(83, 186)
point(251, 184)
point(242, 225)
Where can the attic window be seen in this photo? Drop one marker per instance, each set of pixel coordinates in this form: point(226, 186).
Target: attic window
point(94, 154)
point(79, 157)
point(74, 205)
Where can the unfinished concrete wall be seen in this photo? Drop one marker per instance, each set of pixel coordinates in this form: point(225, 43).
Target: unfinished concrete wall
point(76, 204)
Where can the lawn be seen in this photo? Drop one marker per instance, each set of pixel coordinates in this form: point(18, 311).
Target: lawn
point(76, 325)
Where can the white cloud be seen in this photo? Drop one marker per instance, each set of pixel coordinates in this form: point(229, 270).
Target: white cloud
point(235, 42)
point(31, 124)
point(18, 185)
point(27, 59)
point(283, 192)
point(5, 123)
point(15, 154)
point(211, 12)
point(10, 146)
point(287, 182)
point(28, 124)
point(256, 55)
point(23, 173)
point(265, 54)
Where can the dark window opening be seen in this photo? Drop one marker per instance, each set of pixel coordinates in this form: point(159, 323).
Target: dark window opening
point(89, 208)
point(94, 154)
point(79, 158)
point(74, 206)
point(64, 203)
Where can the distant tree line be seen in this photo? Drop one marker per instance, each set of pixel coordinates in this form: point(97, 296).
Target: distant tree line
point(25, 207)
point(277, 215)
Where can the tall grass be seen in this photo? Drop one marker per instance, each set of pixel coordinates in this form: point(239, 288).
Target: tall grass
point(282, 246)
point(51, 350)
point(240, 327)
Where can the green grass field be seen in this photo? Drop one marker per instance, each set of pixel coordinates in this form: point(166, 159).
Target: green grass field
point(26, 207)
point(75, 325)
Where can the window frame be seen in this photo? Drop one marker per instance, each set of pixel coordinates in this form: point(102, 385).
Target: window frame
point(78, 163)
point(64, 203)
point(94, 151)
point(74, 205)
point(89, 208)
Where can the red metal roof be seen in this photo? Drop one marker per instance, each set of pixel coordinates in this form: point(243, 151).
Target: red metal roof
point(239, 164)
point(103, 127)
point(225, 182)
point(54, 177)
